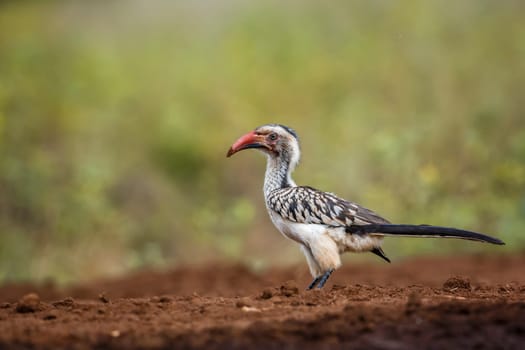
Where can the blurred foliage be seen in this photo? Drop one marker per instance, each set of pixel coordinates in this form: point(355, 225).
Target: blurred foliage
point(115, 118)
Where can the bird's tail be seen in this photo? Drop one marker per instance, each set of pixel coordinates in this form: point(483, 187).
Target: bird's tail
point(421, 231)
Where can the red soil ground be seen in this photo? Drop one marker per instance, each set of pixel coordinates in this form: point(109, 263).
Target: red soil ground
point(431, 303)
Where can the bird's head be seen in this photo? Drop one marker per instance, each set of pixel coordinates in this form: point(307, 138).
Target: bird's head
point(276, 140)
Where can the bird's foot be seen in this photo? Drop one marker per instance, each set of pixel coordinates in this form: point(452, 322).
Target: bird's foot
point(314, 283)
point(320, 281)
point(324, 278)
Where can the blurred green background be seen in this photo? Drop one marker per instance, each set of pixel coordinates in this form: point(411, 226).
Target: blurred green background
point(115, 117)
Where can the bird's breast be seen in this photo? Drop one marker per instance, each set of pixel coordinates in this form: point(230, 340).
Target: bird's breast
point(300, 233)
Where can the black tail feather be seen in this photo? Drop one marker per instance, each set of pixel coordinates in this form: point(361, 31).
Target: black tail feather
point(421, 231)
point(379, 252)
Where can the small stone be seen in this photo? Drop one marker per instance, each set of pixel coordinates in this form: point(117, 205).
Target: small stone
point(28, 303)
point(242, 303)
point(5, 306)
point(115, 333)
point(102, 297)
point(250, 309)
point(506, 288)
point(164, 299)
point(277, 300)
point(266, 294)
point(49, 316)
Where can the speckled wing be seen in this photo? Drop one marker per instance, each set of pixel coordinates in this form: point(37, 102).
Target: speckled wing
point(307, 205)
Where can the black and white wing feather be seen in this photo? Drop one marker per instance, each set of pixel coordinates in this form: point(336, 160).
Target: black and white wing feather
point(307, 205)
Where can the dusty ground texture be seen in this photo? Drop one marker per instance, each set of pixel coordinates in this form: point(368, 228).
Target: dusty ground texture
point(474, 302)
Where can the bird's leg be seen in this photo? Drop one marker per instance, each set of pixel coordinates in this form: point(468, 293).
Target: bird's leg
point(314, 283)
point(324, 278)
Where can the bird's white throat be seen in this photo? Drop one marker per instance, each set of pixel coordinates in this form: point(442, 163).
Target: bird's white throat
point(278, 174)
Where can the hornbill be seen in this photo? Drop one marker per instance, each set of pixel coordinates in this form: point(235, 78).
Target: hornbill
point(323, 224)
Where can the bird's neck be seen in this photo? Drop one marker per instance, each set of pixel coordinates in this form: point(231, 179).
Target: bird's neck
point(278, 174)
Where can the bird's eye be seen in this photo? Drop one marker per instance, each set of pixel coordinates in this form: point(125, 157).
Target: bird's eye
point(272, 136)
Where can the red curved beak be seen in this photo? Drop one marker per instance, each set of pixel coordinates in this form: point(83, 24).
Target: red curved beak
point(250, 140)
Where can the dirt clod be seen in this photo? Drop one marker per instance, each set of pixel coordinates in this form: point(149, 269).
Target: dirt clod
point(68, 302)
point(243, 302)
point(456, 283)
point(289, 289)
